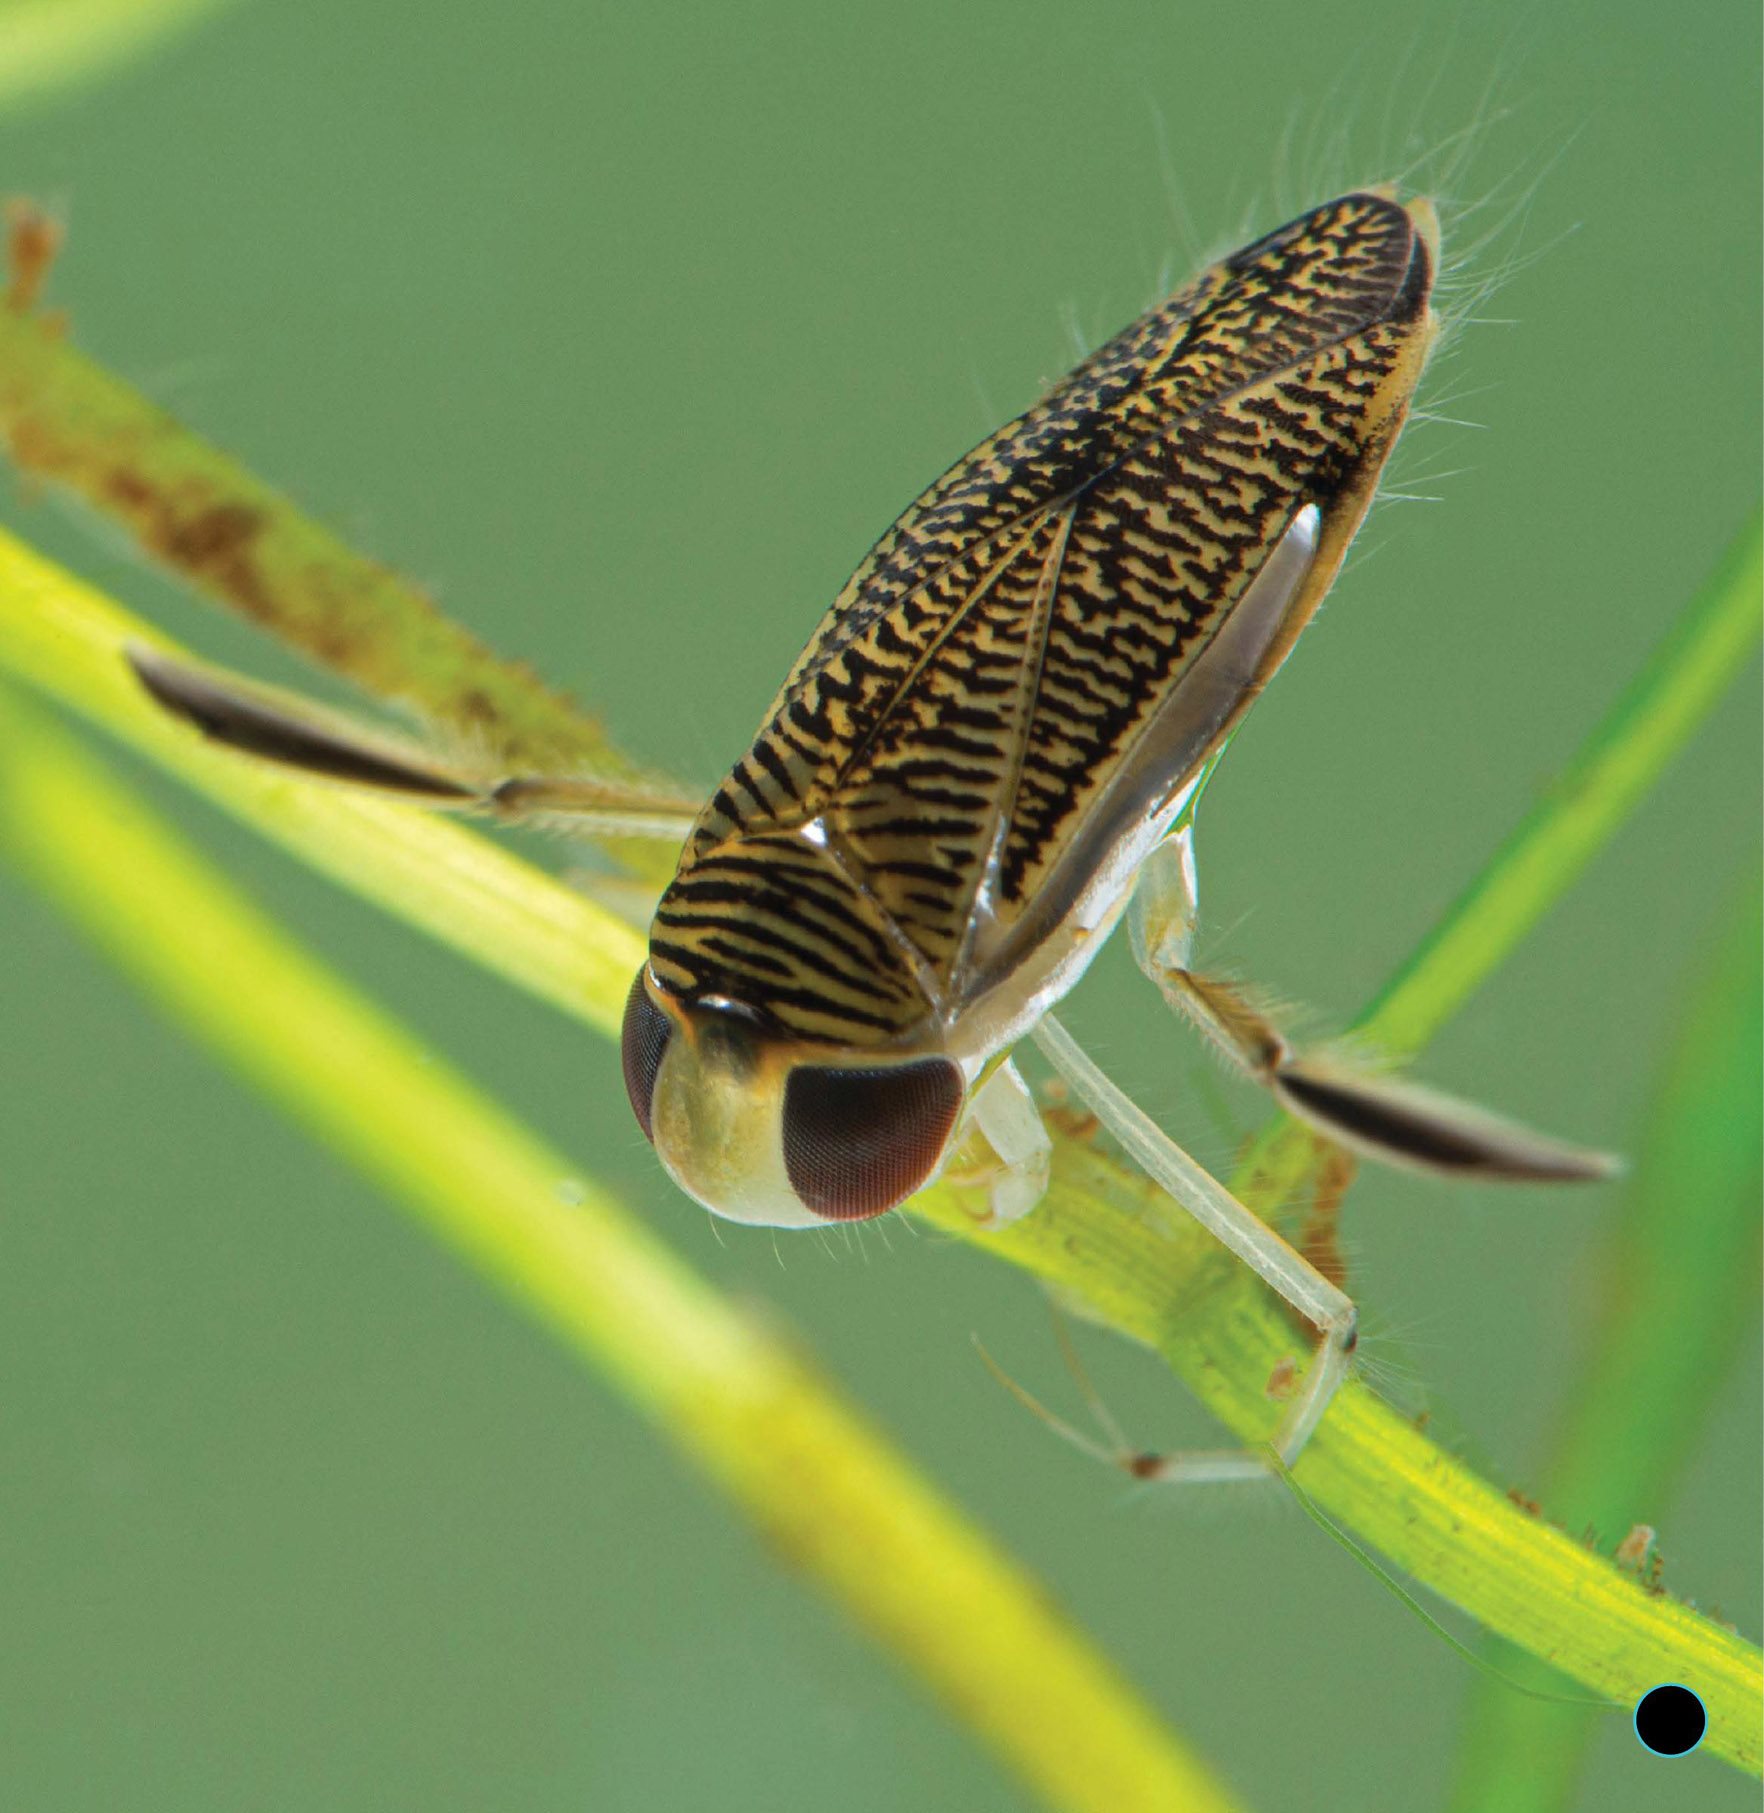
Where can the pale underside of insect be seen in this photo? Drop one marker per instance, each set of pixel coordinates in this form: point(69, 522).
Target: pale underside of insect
point(989, 753)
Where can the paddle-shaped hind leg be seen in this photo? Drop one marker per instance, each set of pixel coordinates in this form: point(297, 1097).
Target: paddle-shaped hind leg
point(1383, 1117)
point(1327, 1309)
point(298, 735)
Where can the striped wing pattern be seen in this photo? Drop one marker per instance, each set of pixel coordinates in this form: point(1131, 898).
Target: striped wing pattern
point(987, 670)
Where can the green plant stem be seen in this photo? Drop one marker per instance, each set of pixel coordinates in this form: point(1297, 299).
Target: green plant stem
point(463, 890)
point(1711, 641)
point(823, 1486)
point(1104, 1234)
point(240, 542)
point(1680, 1295)
point(1575, 817)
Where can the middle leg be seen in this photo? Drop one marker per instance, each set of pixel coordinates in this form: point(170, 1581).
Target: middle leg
point(1327, 1308)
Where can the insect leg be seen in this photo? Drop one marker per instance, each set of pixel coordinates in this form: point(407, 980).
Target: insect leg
point(1005, 1112)
point(1329, 1310)
point(309, 739)
point(1381, 1116)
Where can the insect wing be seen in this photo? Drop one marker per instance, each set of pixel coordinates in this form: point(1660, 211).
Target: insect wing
point(985, 685)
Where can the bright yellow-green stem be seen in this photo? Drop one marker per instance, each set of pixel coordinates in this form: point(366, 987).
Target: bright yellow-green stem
point(1678, 1306)
point(825, 1487)
point(55, 44)
point(1103, 1234)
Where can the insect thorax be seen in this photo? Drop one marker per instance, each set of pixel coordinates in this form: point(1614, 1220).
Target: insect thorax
point(771, 921)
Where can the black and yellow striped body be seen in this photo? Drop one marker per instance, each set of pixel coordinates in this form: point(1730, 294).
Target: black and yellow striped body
point(933, 786)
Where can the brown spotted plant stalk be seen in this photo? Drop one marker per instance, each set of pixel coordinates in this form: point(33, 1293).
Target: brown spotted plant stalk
point(802, 1464)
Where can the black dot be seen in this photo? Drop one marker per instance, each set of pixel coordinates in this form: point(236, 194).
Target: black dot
point(1670, 1720)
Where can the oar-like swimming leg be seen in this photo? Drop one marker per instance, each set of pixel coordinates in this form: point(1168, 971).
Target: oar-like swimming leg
point(1381, 1116)
point(305, 737)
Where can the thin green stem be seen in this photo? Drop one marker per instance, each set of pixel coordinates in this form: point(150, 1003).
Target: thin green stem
point(1104, 1234)
point(1680, 1296)
point(1575, 818)
point(1712, 640)
point(825, 1488)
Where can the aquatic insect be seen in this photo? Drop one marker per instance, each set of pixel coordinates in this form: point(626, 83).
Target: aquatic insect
point(992, 750)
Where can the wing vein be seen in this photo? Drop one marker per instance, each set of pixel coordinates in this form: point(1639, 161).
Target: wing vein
point(978, 907)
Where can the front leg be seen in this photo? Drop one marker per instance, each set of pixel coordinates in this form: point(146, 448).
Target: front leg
point(1380, 1116)
point(1005, 1113)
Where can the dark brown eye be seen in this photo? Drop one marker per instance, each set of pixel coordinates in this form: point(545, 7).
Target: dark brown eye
point(644, 1039)
point(856, 1142)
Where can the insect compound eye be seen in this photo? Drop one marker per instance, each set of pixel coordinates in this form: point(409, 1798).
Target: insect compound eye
point(856, 1142)
point(644, 1039)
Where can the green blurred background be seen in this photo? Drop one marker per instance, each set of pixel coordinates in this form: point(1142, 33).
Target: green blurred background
point(626, 330)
